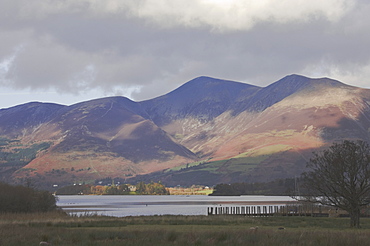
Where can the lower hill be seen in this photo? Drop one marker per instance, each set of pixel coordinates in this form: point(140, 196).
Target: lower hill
point(257, 167)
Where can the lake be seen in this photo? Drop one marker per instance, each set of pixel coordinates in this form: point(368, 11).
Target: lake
point(120, 206)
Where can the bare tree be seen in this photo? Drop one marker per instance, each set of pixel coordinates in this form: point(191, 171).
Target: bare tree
point(340, 177)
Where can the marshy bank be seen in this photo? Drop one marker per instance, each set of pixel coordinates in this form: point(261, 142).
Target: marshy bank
point(59, 228)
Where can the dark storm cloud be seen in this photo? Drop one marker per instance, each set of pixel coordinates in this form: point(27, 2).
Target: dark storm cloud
point(146, 48)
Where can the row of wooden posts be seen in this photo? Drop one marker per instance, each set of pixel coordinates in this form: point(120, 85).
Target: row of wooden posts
point(262, 210)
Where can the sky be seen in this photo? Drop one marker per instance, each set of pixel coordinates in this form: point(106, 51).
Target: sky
point(68, 51)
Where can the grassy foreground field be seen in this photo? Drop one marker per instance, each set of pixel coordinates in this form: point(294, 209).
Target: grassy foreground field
point(60, 229)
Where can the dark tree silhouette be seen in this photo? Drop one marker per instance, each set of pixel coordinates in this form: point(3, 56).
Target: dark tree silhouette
point(21, 199)
point(340, 177)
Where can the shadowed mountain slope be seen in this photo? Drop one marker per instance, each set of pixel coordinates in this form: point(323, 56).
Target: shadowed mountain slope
point(115, 125)
point(16, 120)
point(268, 96)
point(275, 134)
point(203, 98)
point(206, 131)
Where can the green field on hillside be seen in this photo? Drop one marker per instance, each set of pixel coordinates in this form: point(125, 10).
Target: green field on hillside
point(242, 164)
point(13, 153)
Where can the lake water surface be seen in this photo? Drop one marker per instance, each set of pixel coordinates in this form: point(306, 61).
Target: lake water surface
point(120, 206)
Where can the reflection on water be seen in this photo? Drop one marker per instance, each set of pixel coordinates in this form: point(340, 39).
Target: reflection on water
point(120, 206)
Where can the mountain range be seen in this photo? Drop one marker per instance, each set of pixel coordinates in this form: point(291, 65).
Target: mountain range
point(207, 131)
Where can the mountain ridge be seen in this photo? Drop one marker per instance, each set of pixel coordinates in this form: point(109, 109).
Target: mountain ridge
point(205, 130)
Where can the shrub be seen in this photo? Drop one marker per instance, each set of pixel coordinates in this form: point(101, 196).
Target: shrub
point(21, 199)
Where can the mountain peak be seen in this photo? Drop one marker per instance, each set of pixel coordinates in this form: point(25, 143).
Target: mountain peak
point(203, 98)
point(277, 91)
point(292, 82)
point(296, 82)
point(207, 83)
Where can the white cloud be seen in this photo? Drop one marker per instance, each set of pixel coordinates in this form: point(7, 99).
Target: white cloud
point(7, 63)
point(356, 74)
point(237, 14)
point(221, 15)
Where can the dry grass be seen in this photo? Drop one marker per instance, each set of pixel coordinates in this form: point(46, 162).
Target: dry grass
point(60, 229)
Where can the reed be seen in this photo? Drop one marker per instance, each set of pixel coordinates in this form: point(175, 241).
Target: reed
point(61, 229)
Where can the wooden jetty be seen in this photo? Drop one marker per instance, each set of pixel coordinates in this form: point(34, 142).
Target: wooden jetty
point(271, 210)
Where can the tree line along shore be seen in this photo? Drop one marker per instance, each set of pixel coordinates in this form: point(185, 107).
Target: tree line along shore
point(153, 188)
point(280, 187)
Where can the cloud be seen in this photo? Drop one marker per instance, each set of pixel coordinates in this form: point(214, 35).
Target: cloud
point(145, 48)
point(221, 15)
point(7, 63)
